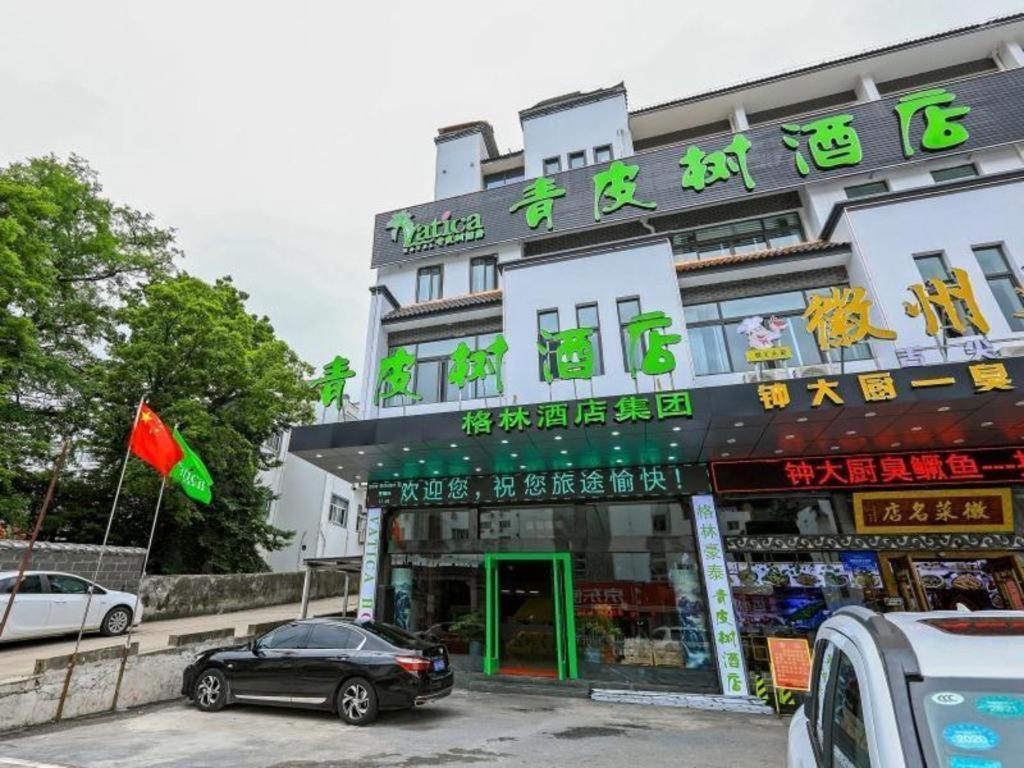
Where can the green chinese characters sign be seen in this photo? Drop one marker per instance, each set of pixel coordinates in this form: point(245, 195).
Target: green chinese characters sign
point(964, 116)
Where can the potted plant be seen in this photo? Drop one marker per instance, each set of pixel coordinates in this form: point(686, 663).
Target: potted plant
point(470, 628)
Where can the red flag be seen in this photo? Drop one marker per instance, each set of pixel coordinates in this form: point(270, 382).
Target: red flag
point(153, 442)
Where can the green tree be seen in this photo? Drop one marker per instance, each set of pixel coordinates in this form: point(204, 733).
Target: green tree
point(69, 258)
point(222, 375)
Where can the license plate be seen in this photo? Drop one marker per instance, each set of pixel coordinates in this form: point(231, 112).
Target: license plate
point(439, 665)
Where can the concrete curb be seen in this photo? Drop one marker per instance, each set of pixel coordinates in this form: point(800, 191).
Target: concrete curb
point(745, 704)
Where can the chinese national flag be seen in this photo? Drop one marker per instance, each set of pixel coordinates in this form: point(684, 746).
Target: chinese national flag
point(153, 442)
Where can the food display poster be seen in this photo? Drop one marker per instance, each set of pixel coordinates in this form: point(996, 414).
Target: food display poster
point(804, 575)
point(790, 659)
point(863, 569)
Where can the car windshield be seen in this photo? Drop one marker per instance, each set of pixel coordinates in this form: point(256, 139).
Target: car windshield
point(392, 634)
point(970, 723)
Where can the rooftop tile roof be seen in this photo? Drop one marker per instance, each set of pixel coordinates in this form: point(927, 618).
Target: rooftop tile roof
point(466, 301)
point(814, 246)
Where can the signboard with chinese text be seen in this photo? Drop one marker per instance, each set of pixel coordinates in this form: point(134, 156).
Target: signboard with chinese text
point(790, 659)
point(724, 628)
point(987, 510)
point(969, 466)
point(768, 353)
point(544, 486)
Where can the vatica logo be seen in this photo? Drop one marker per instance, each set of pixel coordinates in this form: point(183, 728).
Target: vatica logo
point(438, 233)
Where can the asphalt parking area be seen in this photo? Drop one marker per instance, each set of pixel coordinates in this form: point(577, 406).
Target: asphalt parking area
point(467, 728)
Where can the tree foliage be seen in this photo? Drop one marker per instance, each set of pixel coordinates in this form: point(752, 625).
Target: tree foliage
point(93, 316)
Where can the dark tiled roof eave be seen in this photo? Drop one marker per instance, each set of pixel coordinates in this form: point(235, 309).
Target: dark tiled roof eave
point(814, 246)
point(466, 301)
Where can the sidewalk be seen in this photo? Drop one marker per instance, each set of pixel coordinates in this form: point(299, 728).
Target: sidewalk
point(17, 660)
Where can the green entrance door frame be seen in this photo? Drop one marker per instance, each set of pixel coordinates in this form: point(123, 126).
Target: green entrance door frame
point(565, 615)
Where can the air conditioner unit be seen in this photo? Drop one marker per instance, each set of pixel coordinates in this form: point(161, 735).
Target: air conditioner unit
point(771, 374)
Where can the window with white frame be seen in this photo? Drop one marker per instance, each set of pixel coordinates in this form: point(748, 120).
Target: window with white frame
point(1003, 282)
point(337, 513)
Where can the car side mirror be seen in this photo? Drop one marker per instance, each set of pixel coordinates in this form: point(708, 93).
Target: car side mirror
point(254, 646)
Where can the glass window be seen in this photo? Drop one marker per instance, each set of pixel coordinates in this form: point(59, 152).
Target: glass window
point(430, 525)
point(866, 190)
point(483, 274)
point(745, 236)
point(66, 585)
point(586, 317)
point(1003, 283)
point(428, 283)
point(333, 636)
point(552, 165)
point(849, 736)
point(547, 320)
point(338, 511)
point(628, 309)
point(707, 346)
point(361, 523)
point(500, 179)
point(429, 377)
point(603, 154)
point(30, 585)
point(956, 172)
point(289, 636)
point(577, 159)
point(932, 265)
point(430, 374)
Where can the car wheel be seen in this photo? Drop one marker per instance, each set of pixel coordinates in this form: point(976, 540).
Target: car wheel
point(357, 701)
point(210, 693)
point(116, 621)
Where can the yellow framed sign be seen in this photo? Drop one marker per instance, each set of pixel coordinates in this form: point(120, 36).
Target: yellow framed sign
point(985, 510)
point(766, 354)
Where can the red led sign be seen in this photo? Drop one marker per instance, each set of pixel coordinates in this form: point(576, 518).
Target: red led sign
point(971, 466)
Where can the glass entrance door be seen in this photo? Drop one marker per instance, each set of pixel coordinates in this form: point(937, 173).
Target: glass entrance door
point(530, 627)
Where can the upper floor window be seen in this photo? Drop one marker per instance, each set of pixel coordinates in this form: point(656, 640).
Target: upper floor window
point(603, 154)
point(775, 231)
point(586, 317)
point(428, 283)
point(628, 309)
point(933, 266)
point(483, 274)
point(552, 165)
point(501, 178)
point(577, 159)
point(718, 344)
point(965, 171)
point(338, 511)
point(547, 320)
point(1003, 282)
point(866, 190)
point(433, 365)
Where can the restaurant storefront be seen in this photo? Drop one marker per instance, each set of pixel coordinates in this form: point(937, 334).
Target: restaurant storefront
point(529, 552)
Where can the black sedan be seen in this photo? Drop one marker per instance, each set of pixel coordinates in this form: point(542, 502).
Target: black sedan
point(354, 668)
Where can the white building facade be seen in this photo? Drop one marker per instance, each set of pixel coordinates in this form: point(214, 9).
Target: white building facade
point(758, 352)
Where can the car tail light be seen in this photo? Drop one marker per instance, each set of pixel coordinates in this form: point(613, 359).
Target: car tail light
point(413, 663)
point(979, 626)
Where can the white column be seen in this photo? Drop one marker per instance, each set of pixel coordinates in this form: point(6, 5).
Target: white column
point(738, 118)
point(721, 617)
point(866, 89)
point(1010, 55)
point(305, 592)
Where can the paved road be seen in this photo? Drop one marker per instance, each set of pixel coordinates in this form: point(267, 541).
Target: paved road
point(17, 660)
point(468, 728)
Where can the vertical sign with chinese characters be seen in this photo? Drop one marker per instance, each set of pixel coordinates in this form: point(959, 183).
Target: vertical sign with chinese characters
point(724, 628)
point(371, 566)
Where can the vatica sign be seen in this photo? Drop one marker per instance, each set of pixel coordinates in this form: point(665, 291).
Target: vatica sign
point(442, 231)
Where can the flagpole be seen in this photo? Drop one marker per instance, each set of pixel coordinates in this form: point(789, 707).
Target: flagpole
point(99, 564)
point(135, 606)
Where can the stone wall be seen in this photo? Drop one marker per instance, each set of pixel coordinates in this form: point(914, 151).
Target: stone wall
point(121, 566)
point(172, 597)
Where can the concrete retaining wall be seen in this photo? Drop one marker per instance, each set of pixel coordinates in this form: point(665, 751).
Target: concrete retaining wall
point(120, 568)
point(172, 597)
point(148, 678)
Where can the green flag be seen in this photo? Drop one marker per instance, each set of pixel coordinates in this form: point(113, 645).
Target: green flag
point(192, 474)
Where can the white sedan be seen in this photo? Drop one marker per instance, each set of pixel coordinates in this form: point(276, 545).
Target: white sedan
point(50, 603)
point(914, 690)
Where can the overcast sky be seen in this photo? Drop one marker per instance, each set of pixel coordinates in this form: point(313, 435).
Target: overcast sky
point(269, 133)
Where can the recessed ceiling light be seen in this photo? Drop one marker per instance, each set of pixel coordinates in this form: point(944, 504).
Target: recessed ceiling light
point(358, 476)
point(942, 408)
point(558, 437)
point(986, 423)
point(869, 414)
point(477, 469)
point(897, 444)
point(394, 474)
point(568, 463)
point(802, 419)
point(916, 428)
point(453, 445)
point(465, 458)
point(436, 472)
point(731, 440)
point(615, 433)
point(514, 455)
point(738, 424)
point(563, 451)
point(504, 441)
point(319, 455)
point(405, 448)
point(778, 451)
point(673, 445)
point(676, 429)
point(726, 454)
point(616, 447)
point(522, 466)
point(1019, 403)
point(423, 461)
point(361, 453)
point(618, 461)
point(958, 441)
point(340, 466)
point(791, 437)
point(671, 458)
point(380, 463)
point(834, 448)
point(851, 432)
